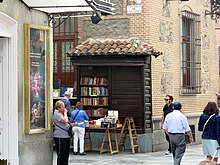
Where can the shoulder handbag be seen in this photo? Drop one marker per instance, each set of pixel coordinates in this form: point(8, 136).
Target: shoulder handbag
point(69, 131)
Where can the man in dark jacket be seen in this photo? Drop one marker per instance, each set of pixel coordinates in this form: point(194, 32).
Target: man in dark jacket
point(66, 102)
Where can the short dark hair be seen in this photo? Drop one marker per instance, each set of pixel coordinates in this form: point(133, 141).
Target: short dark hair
point(171, 98)
point(79, 104)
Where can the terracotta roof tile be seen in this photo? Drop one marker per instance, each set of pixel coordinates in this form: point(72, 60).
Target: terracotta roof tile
point(107, 46)
point(114, 46)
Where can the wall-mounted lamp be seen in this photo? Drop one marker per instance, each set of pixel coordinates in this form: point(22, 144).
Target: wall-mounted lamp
point(95, 18)
point(215, 9)
point(156, 54)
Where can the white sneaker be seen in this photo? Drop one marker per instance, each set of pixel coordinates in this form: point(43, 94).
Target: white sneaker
point(167, 153)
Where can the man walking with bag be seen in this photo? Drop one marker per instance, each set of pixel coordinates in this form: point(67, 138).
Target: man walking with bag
point(176, 125)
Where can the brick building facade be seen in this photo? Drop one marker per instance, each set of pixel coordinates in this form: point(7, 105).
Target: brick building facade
point(164, 24)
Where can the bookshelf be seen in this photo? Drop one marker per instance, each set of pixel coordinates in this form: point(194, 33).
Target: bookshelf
point(94, 90)
point(129, 85)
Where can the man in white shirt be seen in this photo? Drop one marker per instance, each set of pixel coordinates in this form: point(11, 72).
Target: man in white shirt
point(176, 125)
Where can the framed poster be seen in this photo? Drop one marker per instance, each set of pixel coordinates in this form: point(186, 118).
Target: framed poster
point(36, 78)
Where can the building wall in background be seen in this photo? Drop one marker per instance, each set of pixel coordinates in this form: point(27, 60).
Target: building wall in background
point(159, 23)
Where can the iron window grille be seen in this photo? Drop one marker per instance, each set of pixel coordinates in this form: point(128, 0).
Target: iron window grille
point(191, 53)
point(65, 39)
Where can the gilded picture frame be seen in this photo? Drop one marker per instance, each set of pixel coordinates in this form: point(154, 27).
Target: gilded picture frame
point(36, 78)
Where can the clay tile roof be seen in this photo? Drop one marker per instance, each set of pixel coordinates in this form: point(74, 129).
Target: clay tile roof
point(110, 46)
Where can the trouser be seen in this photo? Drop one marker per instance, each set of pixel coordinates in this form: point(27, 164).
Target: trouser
point(178, 147)
point(62, 149)
point(167, 138)
point(79, 134)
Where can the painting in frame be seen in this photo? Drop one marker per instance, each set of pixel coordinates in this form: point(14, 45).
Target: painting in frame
point(36, 78)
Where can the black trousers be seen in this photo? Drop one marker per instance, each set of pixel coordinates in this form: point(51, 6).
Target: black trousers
point(167, 138)
point(62, 149)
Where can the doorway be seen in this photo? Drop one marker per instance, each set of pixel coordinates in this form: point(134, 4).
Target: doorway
point(3, 99)
point(8, 90)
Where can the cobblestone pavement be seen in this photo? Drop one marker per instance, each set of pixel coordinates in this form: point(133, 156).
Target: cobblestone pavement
point(192, 156)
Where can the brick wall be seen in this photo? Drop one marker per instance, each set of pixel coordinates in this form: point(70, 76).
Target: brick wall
point(165, 36)
point(160, 25)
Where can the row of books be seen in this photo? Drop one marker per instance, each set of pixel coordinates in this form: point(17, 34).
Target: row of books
point(95, 112)
point(95, 101)
point(93, 81)
point(99, 91)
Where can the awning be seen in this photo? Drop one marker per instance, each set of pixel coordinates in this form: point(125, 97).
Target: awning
point(70, 6)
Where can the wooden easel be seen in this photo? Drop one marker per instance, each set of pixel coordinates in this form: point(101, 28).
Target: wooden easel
point(109, 138)
point(129, 128)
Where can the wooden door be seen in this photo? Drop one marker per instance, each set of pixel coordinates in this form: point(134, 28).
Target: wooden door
point(127, 94)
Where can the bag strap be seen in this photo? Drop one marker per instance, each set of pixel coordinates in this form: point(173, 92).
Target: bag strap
point(207, 121)
point(76, 115)
point(60, 127)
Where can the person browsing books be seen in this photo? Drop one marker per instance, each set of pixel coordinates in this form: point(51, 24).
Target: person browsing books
point(79, 116)
point(66, 102)
point(61, 137)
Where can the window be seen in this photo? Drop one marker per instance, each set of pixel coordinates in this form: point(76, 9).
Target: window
point(191, 53)
point(65, 39)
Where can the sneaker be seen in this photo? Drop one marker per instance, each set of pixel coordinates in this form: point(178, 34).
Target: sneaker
point(167, 153)
point(82, 153)
point(74, 153)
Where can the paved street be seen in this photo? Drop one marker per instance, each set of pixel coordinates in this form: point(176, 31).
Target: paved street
point(193, 156)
